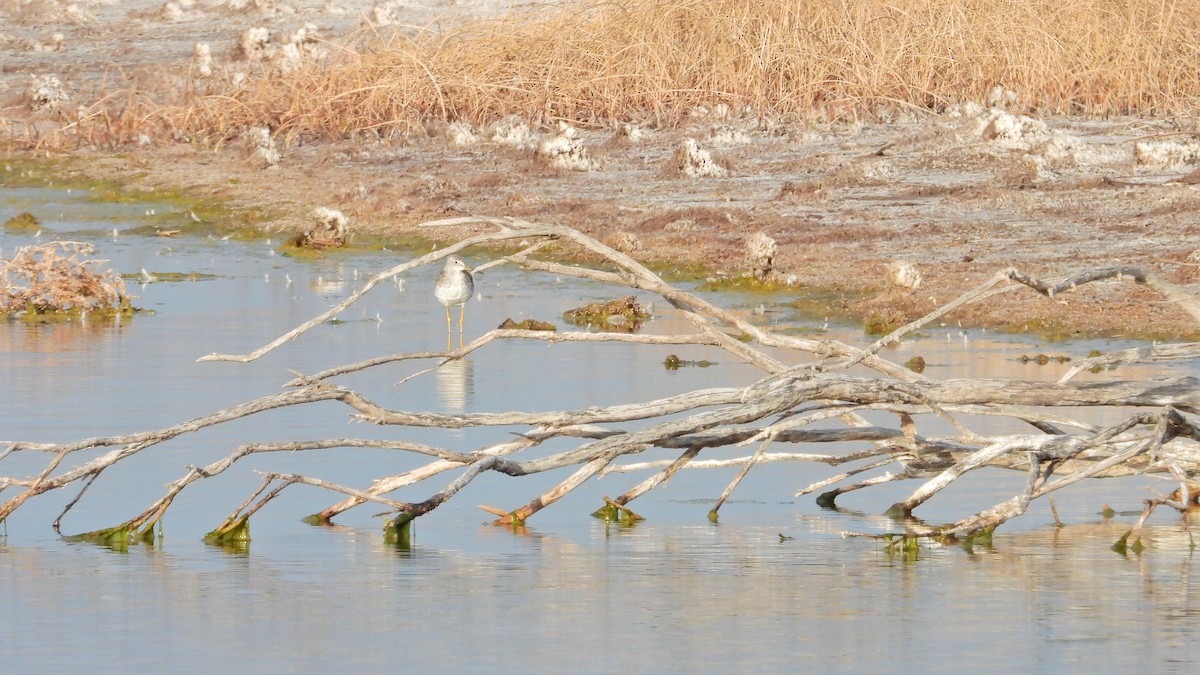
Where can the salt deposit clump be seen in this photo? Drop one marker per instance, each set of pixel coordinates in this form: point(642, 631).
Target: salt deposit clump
point(761, 249)
point(1067, 150)
point(304, 44)
point(1167, 153)
point(1021, 132)
point(566, 151)
point(1017, 132)
point(54, 44)
point(626, 242)
point(46, 92)
point(202, 58)
point(630, 133)
point(720, 111)
point(999, 97)
point(252, 44)
point(695, 162)
point(1063, 149)
point(176, 10)
point(725, 136)
point(803, 137)
point(329, 228)
point(384, 13)
point(513, 132)
point(262, 146)
point(461, 133)
point(904, 274)
point(875, 170)
point(307, 38)
point(267, 8)
point(332, 217)
point(967, 109)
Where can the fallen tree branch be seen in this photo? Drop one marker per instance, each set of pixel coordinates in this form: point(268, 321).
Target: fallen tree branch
point(804, 384)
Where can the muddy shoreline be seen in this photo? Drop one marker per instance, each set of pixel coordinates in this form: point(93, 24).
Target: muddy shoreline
point(960, 195)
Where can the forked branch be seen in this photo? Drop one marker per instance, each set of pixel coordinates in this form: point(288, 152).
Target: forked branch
point(805, 386)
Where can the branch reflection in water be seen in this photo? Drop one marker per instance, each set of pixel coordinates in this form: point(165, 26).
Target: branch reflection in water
point(455, 385)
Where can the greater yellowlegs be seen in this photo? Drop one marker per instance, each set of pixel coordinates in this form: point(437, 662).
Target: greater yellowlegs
point(454, 287)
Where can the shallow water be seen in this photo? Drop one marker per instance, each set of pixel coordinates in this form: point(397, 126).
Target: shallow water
point(570, 593)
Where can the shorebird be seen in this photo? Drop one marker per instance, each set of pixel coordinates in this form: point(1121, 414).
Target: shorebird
point(454, 287)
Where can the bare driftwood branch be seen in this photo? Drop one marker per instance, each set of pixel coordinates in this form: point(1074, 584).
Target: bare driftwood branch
point(805, 384)
point(1151, 354)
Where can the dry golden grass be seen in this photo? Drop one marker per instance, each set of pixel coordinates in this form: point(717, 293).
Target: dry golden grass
point(600, 62)
point(57, 277)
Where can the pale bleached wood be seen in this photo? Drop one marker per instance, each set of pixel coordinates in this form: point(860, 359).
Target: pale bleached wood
point(804, 383)
point(1152, 354)
point(552, 337)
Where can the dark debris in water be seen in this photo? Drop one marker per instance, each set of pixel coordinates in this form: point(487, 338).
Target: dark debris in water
point(1044, 359)
point(623, 315)
point(673, 362)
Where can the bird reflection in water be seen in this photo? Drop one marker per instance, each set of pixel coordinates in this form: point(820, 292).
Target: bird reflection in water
point(455, 385)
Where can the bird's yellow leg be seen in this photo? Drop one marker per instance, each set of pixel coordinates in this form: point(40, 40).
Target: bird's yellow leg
point(448, 328)
point(462, 310)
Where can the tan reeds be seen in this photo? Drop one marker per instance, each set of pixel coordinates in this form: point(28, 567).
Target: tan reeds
point(659, 60)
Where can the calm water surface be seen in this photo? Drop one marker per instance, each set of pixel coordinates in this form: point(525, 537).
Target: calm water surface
point(675, 593)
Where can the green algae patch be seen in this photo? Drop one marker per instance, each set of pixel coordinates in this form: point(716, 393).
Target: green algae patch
point(983, 538)
point(906, 547)
point(1049, 329)
point(528, 324)
point(623, 315)
point(168, 212)
point(1123, 547)
point(234, 531)
point(37, 173)
point(243, 225)
point(23, 223)
point(402, 245)
point(883, 321)
point(679, 274)
point(175, 211)
point(1055, 329)
point(816, 304)
point(399, 530)
point(118, 538)
point(35, 315)
point(292, 248)
point(747, 284)
point(613, 512)
point(170, 277)
point(114, 537)
point(828, 500)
